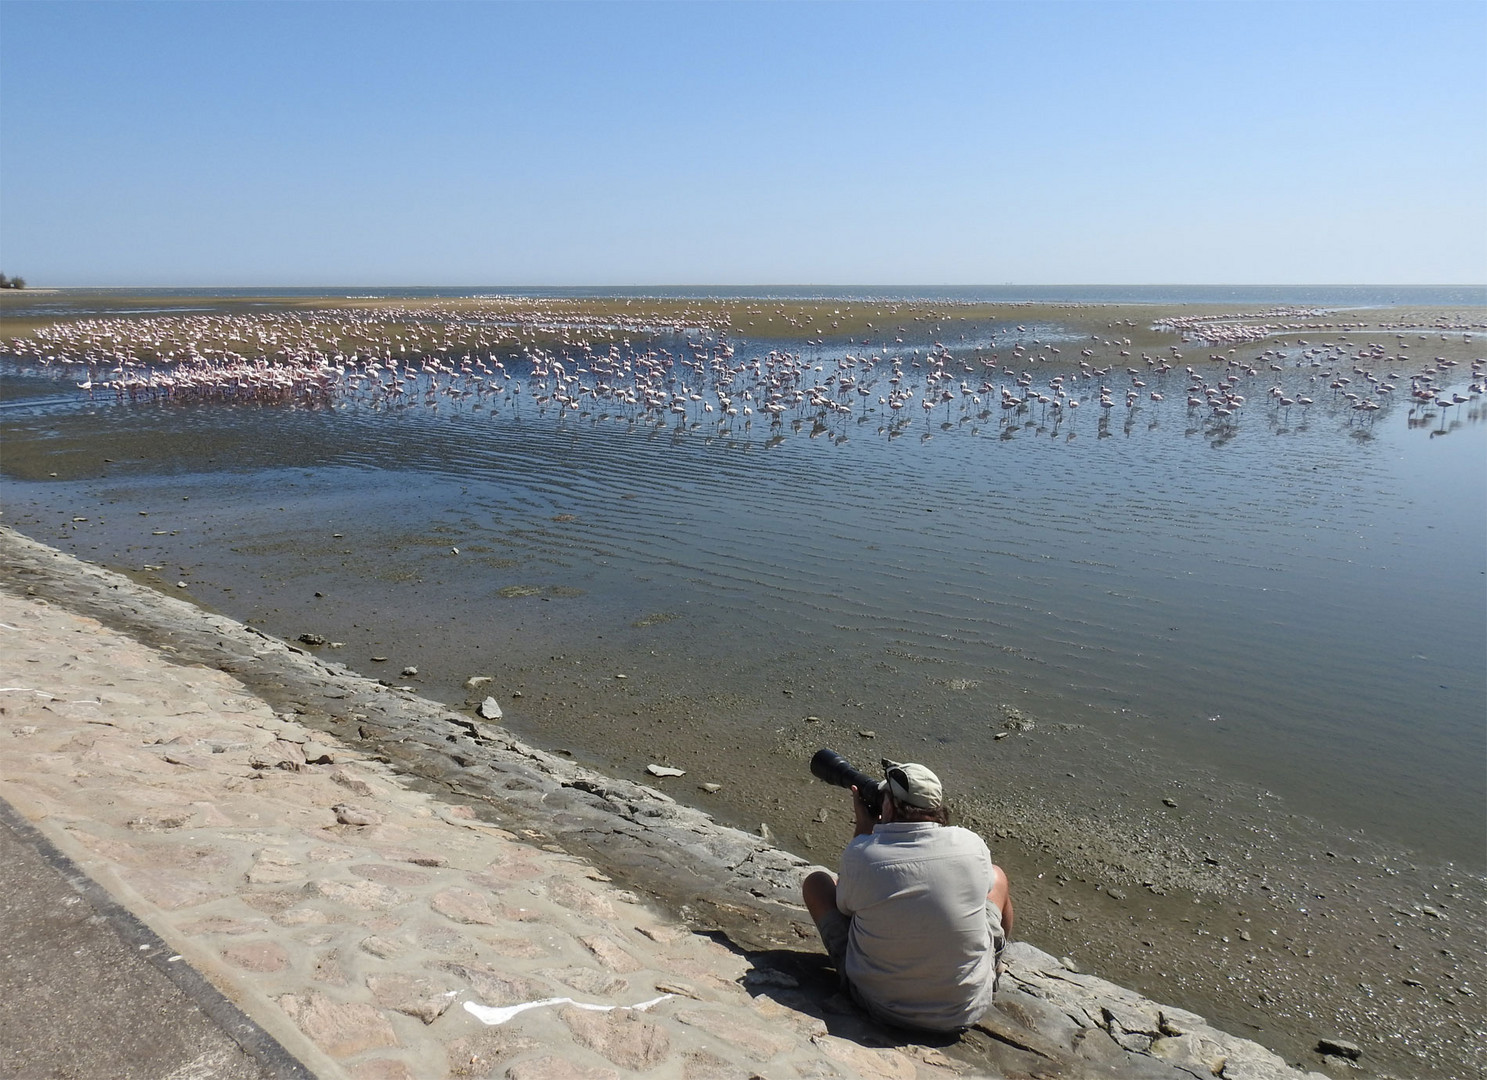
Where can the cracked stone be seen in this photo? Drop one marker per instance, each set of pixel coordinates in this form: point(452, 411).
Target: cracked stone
point(623, 1036)
point(342, 1029)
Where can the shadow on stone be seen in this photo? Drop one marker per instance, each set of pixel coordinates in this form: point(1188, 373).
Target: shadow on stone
point(805, 982)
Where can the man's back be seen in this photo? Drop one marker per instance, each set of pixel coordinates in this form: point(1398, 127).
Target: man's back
point(920, 951)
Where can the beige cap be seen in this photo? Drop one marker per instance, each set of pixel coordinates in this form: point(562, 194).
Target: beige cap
point(913, 785)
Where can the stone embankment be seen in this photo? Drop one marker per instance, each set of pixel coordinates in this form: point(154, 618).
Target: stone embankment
point(392, 890)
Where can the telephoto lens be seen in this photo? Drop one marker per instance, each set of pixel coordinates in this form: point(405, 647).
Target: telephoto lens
point(830, 766)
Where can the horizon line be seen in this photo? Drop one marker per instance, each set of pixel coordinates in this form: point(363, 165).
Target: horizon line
point(800, 285)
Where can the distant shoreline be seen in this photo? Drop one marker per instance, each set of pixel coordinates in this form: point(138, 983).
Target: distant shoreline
point(1325, 295)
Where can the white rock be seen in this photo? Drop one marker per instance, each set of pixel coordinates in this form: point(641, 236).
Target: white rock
point(490, 709)
point(664, 770)
point(355, 815)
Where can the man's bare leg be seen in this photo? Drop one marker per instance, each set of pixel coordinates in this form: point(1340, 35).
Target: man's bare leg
point(819, 891)
point(1000, 897)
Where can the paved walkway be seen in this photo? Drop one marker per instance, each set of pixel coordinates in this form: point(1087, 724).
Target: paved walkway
point(73, 962)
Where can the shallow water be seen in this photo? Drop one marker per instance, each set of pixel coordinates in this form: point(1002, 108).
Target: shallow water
point(1294, 600)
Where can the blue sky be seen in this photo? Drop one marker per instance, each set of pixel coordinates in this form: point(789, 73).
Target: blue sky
point(718, 143)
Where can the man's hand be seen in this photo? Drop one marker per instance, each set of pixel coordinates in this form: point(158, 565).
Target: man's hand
point(864, 819)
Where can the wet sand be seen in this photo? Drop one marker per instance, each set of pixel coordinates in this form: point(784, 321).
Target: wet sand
point(1215, 901)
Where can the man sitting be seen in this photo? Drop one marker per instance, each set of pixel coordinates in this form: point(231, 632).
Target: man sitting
point(920, 914)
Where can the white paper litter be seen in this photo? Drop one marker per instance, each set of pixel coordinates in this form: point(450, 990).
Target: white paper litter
point(487, 1014)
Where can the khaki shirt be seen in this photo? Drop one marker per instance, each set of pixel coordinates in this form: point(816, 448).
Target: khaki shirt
point(920, 950)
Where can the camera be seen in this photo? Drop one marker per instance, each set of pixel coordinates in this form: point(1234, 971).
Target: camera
point(830, 766)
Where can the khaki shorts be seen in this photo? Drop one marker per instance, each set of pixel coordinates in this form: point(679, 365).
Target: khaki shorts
point(834, 930)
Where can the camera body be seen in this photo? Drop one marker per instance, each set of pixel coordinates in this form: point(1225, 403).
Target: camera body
point(830, 766)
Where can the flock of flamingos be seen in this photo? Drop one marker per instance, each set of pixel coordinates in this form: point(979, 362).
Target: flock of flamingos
point(695, 369)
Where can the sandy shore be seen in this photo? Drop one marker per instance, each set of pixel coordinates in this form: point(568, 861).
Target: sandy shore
point(373, 879)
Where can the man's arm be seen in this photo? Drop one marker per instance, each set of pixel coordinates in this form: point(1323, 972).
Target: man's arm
point(820, 888)
point(863, 820)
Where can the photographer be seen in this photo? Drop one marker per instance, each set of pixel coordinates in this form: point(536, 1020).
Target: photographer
point(920, 914)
